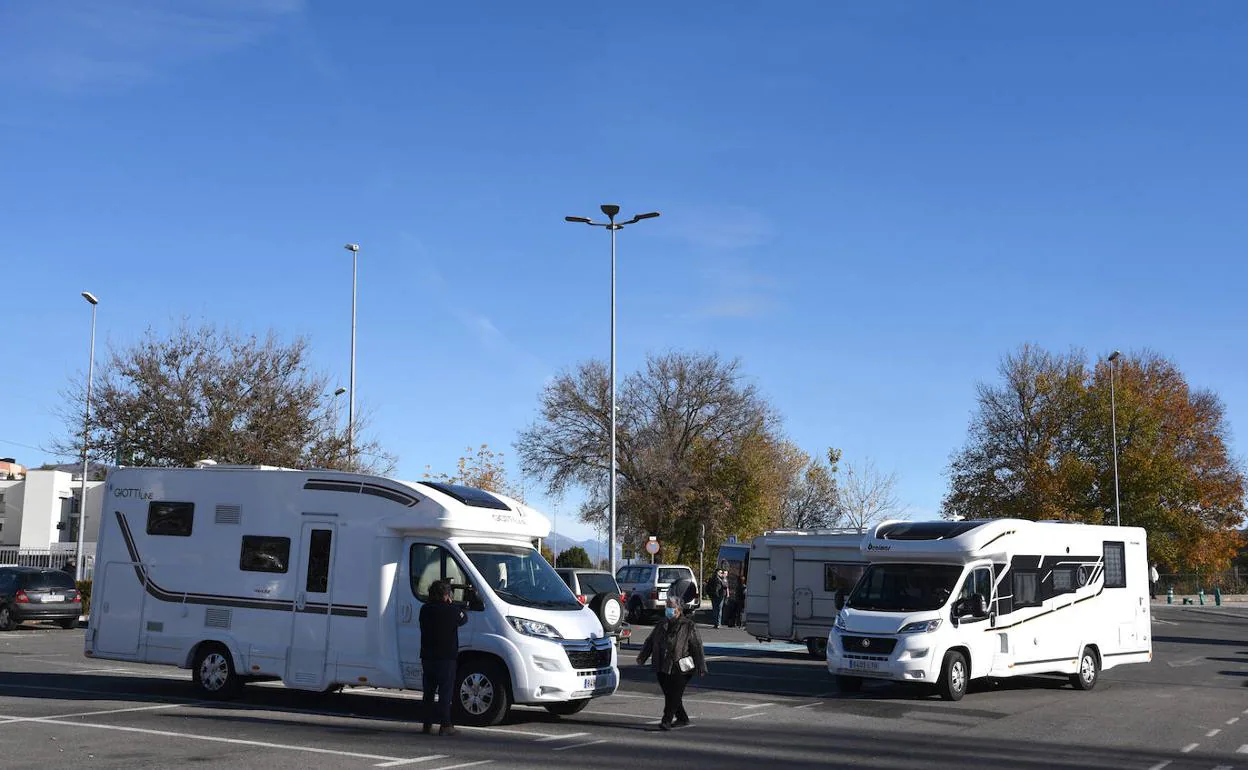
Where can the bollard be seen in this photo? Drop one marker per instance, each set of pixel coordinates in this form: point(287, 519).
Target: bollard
point(1201, 594)
point(1170, 595)
point(1217, 596)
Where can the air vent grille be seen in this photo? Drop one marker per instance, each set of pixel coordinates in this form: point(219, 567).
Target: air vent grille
point(217, 617)
point(229, 514)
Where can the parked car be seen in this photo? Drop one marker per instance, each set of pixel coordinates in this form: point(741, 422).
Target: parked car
point(646, 586)
point(38, 593)
point(598, 590)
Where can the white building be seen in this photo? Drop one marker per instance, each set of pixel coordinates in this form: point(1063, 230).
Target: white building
point(41, 510)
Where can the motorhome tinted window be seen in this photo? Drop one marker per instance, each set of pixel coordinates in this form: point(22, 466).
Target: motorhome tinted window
point(1026, 588)
point(174, 519)
point(905, 587)
point(478, 498)
point(927, 530)
point(264, 554)
point(841, 577)
point(978, 583)
point(1115, 565)
point(1063, 580)
point(318, 560)
point(520, 576)
point(431, 562)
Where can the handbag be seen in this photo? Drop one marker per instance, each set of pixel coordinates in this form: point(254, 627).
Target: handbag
point(686, 664)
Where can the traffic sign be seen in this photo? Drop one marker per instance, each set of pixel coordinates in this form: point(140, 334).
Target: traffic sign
point(652, 546)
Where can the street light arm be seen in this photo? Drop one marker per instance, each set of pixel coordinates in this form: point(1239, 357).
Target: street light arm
point(583, 220)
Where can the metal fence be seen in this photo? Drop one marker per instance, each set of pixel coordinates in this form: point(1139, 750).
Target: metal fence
point(53, 557)
point(1232, 581)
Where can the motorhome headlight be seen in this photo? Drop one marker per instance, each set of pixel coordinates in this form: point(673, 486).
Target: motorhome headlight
point(840, 621)
point(534, 628)
point(922, 627)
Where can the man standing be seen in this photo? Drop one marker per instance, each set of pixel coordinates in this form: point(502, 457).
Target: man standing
point(1153, 579)
point(439, 648)
point(717, 587)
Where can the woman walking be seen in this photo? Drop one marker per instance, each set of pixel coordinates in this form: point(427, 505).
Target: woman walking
point(676, 652)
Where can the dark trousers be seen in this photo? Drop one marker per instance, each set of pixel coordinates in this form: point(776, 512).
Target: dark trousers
point(717, 611)
point(439, 677)
point(673, 685)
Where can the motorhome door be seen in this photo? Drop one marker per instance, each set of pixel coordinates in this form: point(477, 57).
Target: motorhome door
point(121, 609)
point(780, 595)
point(309, 641)
point(425, 563)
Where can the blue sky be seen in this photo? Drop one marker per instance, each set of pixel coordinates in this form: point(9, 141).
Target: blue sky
point(867, 203)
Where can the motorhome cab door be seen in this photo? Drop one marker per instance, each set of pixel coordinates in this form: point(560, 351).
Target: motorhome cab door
point(310, 628)
point(425, 562)
point(976, 632)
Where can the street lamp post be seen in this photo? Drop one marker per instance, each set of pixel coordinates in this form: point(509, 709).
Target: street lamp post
point(1113, 421)
point(611, 210)
point(354, 248)
point(80, 566)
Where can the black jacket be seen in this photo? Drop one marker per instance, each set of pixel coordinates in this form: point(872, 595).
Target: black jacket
point(671, 640)
point(439, 631)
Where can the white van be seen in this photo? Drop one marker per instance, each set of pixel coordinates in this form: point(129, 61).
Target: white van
point(801, 579)
point(316, 578)
point(944, 602)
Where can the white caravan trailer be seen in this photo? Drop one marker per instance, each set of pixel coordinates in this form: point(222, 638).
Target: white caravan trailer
point(944, 602)
point(317, 578)
point(799, 579)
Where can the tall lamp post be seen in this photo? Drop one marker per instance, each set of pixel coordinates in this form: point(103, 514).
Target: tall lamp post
point(354, 248)
point(611, 210)
point(1113, 421)
point(80, 567)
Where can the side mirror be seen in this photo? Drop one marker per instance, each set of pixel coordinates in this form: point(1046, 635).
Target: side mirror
point(979, 607)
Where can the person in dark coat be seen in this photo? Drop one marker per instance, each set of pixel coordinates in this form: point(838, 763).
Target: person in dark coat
point(70, 567)
point(717, 588)
point(673, 639)
point(439, 650)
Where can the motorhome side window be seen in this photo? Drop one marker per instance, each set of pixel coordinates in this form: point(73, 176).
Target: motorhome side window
point(1115, 565)
point(841, 577)
point(318, 561)
point(264, 554)
point(978, 583)
point(1026, 588)
point(430, 563)
point(174, 519)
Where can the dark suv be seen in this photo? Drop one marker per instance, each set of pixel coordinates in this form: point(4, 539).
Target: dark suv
point(35, 593)
point(598, 590)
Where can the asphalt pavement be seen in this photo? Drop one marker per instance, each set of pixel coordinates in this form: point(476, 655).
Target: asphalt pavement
point(761, 705)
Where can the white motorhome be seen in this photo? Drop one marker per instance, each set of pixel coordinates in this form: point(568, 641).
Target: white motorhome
point(799, 580)
point(944, 602)
point(317, 578)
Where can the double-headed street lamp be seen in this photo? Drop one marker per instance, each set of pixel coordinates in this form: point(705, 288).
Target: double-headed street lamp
point(354, 248)
point(611, 210)
point(80, 567)
point(1113, 421)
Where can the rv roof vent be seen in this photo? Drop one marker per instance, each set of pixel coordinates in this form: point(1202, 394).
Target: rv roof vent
point(229, 514)
point(217, 617)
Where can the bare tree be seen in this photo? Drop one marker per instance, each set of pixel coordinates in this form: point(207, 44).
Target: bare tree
point(812, 499)
point(867, 495)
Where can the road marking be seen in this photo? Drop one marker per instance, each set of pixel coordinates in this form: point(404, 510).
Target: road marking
point(1232, 720)
point(462, 764)
point(1184, 663)
point(414, 760)
point(560, 737)
point(809, 705)
point(694, 699)
point(618, 714)
point(1165, 622)
point(235, 741)
point(573, 746)
point(1161, 765)
point(1242, 749)
point(1212, 733)
point(751, 714)
point(1188, 748)
point(1223, 767)
point(758, 705)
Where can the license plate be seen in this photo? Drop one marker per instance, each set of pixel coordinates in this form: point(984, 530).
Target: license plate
point(864, 665)
point(54, 598)
point(600, 682)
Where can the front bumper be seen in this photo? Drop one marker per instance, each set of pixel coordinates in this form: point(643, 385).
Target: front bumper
point(907, 658)
point(569, 670)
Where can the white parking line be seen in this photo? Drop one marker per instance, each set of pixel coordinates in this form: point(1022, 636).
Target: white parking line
point(1232, 720)
point(1161, 765)
point(1212, 733)
point(1188, 748)
point(751, 714)
point(574, 746)
point(809, 705)
point(1242, 749)
point(569, 736)
point(758, 705)
point(618, 714)
point(414, 760)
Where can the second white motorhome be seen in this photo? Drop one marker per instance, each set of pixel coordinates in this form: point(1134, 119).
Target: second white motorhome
point(945, 602)
point(800, 579)
point(317, 578)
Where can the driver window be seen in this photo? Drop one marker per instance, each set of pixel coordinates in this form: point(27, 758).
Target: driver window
point(431, 562)
point(978, 583)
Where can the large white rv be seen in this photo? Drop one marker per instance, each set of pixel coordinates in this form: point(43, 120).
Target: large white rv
point(944, 602)
point(800, 578)
point(317, 578)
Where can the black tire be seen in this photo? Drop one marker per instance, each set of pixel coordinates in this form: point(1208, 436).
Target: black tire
point(848, 683)
point(954, 675)
point(482, 693)
point(1089, 670)
point(213, 672)
point(567, 708)
point(6, 619)
point(817, 648)
point(69, 624)
point(609, 610)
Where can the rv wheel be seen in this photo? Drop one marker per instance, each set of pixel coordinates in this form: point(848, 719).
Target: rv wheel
point(953, 676)
point(213, 672)
point(849, 683)
point(1089, 670)
point(482, 694)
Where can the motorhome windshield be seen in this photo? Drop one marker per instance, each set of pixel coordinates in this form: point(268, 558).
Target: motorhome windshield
point(520, 576)
point(904, 587)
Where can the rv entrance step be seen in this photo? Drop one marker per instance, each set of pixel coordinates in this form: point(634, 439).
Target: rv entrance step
point(752, 648)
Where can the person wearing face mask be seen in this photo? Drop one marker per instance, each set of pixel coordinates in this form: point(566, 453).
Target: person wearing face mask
point(675, 651)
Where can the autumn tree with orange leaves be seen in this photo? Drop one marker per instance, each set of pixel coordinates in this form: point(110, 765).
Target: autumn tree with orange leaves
point(1040, 447)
